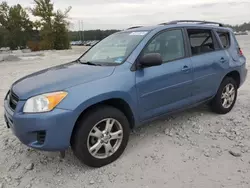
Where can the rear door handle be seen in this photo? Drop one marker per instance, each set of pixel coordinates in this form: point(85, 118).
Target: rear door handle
point(185, 68)
point(223, 60)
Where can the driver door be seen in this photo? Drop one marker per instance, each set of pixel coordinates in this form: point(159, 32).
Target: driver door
point(162, 89)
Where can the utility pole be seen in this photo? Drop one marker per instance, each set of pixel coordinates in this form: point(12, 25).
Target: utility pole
point(82, 32)
point(79, 30)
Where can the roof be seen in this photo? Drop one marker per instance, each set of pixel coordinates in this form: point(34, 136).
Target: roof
point(144, 28)
point(180, 23)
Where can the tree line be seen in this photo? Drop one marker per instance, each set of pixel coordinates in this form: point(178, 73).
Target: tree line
point(100, 34)
point(49, 31)
point(242, 27)
point(90, 34)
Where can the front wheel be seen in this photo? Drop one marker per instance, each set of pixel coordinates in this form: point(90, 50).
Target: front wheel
point(101, 136)
point(226, 96)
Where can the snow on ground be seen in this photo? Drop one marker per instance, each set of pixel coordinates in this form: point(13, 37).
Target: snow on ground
point(190, 149)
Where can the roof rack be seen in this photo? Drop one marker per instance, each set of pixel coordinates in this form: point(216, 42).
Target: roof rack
point(134, 27)
point(192, 21)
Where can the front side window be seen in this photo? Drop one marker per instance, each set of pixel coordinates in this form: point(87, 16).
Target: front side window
point(114, 49)
point(201, 41)
point(169, 44)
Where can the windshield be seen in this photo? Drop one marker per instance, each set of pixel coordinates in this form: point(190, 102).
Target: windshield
point(113, 49)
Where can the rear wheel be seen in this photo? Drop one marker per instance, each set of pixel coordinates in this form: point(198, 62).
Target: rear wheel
point(226, 96)
point(101, 136)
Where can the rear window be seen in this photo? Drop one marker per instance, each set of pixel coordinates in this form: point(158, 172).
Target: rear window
point(225, 39)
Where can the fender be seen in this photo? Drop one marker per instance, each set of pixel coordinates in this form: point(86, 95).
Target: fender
point(83, 96)
point(107, 96)
point(235, 69)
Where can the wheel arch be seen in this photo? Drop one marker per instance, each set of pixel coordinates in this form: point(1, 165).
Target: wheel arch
point(120, 103)
point(235, 75)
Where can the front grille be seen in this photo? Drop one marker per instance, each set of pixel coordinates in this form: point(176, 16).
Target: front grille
point(41, 135)
point(13, 100)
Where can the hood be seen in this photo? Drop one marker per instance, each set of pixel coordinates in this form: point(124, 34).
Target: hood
point(58, 78)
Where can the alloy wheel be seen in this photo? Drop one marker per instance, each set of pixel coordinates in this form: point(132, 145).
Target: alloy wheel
point(105, 138)
point(228, 95)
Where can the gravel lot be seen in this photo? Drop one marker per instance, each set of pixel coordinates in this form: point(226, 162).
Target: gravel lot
point(195, 148)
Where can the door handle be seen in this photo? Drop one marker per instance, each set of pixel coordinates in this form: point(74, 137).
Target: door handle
point(223, 60)
point(185, 68)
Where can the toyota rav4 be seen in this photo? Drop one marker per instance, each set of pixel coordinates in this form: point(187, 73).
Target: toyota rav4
point(129, 78)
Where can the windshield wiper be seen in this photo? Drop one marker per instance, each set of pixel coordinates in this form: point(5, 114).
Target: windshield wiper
point(88, 63)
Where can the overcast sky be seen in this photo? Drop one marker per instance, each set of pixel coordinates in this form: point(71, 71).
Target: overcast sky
point(119, 14)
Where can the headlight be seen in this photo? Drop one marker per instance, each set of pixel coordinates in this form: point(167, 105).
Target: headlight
point(44, 103)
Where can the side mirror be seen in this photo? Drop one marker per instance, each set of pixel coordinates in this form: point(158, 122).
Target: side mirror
point(152, 59)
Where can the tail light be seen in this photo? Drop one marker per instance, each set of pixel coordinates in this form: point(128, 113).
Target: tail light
point(240, 52)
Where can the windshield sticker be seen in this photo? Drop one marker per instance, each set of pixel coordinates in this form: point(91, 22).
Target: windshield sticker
point(119, 60)
point(139, 33)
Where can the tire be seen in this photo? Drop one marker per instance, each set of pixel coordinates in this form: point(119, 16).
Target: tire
point(217, 102)
point(82, 139)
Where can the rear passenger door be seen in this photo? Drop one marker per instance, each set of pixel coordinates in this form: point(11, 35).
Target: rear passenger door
point(208, 61)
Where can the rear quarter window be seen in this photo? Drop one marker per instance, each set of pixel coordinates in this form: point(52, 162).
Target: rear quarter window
point(225, 39)
point(235, 41)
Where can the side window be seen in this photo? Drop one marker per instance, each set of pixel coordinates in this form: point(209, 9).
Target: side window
point(169, 44)
point(225, 39)
point(201, 41)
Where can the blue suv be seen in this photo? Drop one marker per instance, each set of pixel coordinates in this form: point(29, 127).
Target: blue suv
point(127, 79)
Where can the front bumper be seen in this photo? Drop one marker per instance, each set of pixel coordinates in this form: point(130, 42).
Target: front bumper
point(55, 127)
